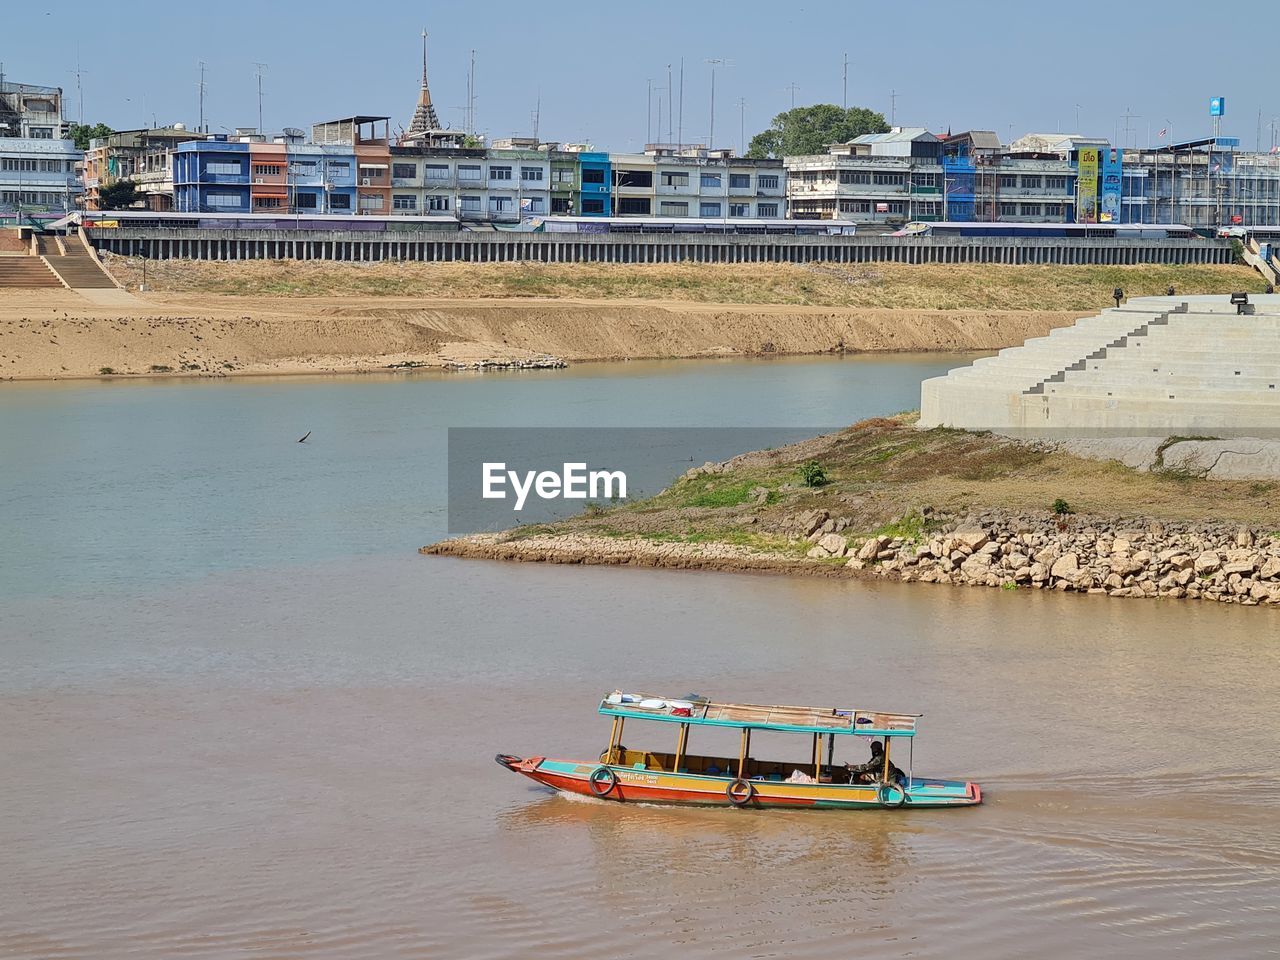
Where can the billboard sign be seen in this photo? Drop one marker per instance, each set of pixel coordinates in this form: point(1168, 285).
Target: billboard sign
point(1217, 106)
point(1112, 167)
point(1087, 186)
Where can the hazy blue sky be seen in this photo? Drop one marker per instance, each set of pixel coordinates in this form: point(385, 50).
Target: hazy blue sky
point(1007, 66)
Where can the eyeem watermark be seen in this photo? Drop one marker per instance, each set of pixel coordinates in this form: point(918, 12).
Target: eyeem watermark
point(573, 482)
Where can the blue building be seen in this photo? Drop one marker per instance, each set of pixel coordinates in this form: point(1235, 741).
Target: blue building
point(211, 176)
point(596, 174)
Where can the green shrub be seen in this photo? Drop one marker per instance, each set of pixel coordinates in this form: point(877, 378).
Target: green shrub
point(812, 474)
point(1061, 507)
point(106, 371)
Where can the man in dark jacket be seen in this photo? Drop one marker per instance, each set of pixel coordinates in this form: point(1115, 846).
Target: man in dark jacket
point(873, 769)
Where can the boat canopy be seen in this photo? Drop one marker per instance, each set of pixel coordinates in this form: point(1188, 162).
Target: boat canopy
point(821, 720)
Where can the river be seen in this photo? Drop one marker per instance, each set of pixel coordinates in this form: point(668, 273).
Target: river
point(242, 717)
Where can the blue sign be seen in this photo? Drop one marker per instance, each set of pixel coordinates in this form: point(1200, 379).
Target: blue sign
point(1217, 106)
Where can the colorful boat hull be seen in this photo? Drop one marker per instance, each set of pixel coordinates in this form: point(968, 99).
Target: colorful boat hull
point(628, 784)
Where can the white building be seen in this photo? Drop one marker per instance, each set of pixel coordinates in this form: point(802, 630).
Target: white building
point(39, 175)
point(878, 178)
point(666, 181)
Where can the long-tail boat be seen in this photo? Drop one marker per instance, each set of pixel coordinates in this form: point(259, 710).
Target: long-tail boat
point(682, 777)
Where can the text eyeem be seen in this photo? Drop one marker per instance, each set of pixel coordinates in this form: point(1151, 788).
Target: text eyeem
point(573, 482)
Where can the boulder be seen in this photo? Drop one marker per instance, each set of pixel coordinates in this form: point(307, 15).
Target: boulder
point(869, 549)
point(834, 544)
point(971, 538)
point(1066, 567)
point(1039, 572)
point(1240, 561)
point(1270, 568)
point(1208, 562)
point(1244, 537)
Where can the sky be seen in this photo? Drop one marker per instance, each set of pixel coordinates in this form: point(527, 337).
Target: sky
point(1001, 65)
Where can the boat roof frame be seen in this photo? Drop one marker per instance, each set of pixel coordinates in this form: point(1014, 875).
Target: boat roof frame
point(838, 721)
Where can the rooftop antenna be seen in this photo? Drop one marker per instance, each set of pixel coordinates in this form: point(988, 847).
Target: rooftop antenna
point(537, 115)
point(844, 99)
point(742, 126)
point(648, 117)
point(680, 114)
point(471, 97)
point(714, 62)
point(793, 87)
point(200, 127)
point(669, 111)
point(261, 67)
point(79, 88)
point(893, 108)
point(1129, 115)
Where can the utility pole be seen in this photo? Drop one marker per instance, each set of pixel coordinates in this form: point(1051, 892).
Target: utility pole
point(261, 67)
point(844, 98)
point(200, 126)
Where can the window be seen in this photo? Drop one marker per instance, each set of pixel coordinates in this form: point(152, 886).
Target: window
point(468, 171)
point(739, 181)
point(469, 204)
point(635, 178)
point(675, 179)
point(499, 204)
point(373, 173)
point(1053, 209)
point(371, 201)
point(673, 208)
point(302, 168)
point(1031, 183)
point(855, 206)
point(11, 163)
point(739, 209)
point(854, 176)
point(41, 133)
point(340, 201)
point(1008, 209)
point(222, 167)
point(339, 168)
point(1056, 183)
point(636, 206)
point(1031, 209)
point(711, 181)
point(561, 205)
point(267, 170)
point(532, 205)
point(890, 179)
point(767, 182)
point(499, 173)
point(591, 175)
point(223, 200)
point(592, 206)
point(435, 171)
point(531, 174)
point(928, 208)
point(924, 180)
point(404, 171)
point(767, 209)
point(305, 201)
point(709, 210)
point(51, 166)
point(437, 203)
point(404, 201)
point(562, 175)
point(266, 202)
point(1008, 181)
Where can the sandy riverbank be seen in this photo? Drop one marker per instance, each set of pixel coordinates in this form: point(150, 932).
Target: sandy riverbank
point(938, 506)
point(274, 317)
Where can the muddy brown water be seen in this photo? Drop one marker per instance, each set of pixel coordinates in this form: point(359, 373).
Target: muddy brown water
point(272, 746)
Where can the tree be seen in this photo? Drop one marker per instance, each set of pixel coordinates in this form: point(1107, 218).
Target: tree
point(808, 130)
point(118, 196)
point(82, 133)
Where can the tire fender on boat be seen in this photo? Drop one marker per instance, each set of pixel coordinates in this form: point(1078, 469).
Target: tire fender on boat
point(740, 792)
point(602, 781)
point(886, 793)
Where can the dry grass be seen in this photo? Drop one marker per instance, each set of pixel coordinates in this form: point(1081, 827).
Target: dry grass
point(925, 287)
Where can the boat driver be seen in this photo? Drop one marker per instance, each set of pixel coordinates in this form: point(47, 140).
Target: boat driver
point(873, 769)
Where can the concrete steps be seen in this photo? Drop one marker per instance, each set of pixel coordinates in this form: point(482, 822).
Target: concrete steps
point(78, 268)
point(27, 273)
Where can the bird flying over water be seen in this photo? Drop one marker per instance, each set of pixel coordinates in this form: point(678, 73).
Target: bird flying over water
point(304, 437)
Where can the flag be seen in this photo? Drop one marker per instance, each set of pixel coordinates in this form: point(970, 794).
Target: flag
point(1163, 133)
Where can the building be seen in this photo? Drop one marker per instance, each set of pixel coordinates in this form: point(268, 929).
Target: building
point(39, 175)
point(30, 112)
point(424, 127)
point(594, 196)
point(38, 169)
point(1205, 183)
point(372, 178)
point(877, 178)
point(142, 156)
point(672, 181)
